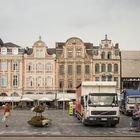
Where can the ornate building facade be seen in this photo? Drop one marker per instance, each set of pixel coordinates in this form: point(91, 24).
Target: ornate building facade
point(106, 62)
point(11, 69)
point(39, 69)
point(51, 72)
point(73, 63)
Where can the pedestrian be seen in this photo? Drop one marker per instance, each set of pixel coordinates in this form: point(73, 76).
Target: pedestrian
point(134, 118)
point(138, 115)
point(7, 113)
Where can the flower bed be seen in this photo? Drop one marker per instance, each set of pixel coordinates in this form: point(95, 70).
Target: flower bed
point(39, 120)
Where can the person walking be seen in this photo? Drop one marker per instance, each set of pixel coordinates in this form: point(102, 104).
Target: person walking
point(138, 115)
point(134, 119)
point(7, 113)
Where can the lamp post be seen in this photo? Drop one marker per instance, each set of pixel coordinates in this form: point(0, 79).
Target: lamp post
point(38, 91)
point(63, 99)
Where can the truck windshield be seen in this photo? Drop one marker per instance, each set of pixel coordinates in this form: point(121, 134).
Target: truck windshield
point(133, 100)
point(103, 100)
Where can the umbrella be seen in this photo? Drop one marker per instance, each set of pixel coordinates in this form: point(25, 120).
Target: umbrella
point(26, 99)
point(64, 99)
point(44, 99)
point(7, 99)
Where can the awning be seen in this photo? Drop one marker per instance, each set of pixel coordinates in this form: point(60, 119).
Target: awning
point(44, 99)
point(10, 99)
point(27, 99)
point(64, 99)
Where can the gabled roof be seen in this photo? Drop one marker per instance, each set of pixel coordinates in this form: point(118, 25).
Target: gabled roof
point(9, 44)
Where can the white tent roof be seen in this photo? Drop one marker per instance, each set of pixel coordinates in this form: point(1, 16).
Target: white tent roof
point(26, 99)
point(64, 99)
point(44, 99)
point(10, 99)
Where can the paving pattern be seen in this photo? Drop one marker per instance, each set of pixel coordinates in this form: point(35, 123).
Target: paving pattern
point(62, 125)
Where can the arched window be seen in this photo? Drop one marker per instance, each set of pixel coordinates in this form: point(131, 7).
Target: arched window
point(103, 55)
point(109, 55)
point(115, 68)
point(97, 70)
point(103, 68)
point(109, 67)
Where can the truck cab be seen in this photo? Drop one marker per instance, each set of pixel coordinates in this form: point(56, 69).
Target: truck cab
point(100, 108)
point(128, 99)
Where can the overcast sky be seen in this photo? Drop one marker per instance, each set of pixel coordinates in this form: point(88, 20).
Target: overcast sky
point(23, 21)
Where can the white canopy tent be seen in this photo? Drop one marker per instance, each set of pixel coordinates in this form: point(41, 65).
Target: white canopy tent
point(25, 99)
point(64, 99)
point(44, 99)
point(10, 99)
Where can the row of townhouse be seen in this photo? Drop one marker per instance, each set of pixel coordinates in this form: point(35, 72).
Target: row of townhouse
point(51, 72)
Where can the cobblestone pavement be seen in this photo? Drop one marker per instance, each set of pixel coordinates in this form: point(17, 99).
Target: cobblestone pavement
point(62, 125)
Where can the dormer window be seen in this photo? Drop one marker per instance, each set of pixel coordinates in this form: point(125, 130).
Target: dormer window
point(40, 53)
point(69, 53)
point(78, 53)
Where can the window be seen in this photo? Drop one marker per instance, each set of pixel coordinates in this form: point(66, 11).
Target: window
point(15, 80)
point(109, 77)
point(116, 79)
point(87, 71)
point(30, 81)
point(69, 83)
point(115, 68)
point(39, 67)
point(78, 82)
point(40, 53)
point(78, 52)
point(97, 78)
point(103, 55)
point(78, 69)
point(103, 78)
point(29, 66)
point(103, 68)
point(69, 69)
point(61, 84)
point(49, 81)
point(4, 65)
point(97, 68)
point(15, 65)
point(109, 55)
point(39, 81)
point(61, 69)
point(109, 67)
point(69, 53)
point(116, 52)
point(49, 67)
point(3, 80)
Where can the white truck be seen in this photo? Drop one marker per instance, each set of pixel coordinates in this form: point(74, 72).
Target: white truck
point(97, 103)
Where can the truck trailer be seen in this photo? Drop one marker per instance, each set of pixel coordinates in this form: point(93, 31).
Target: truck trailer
point(128, 98)
point(97, 103)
